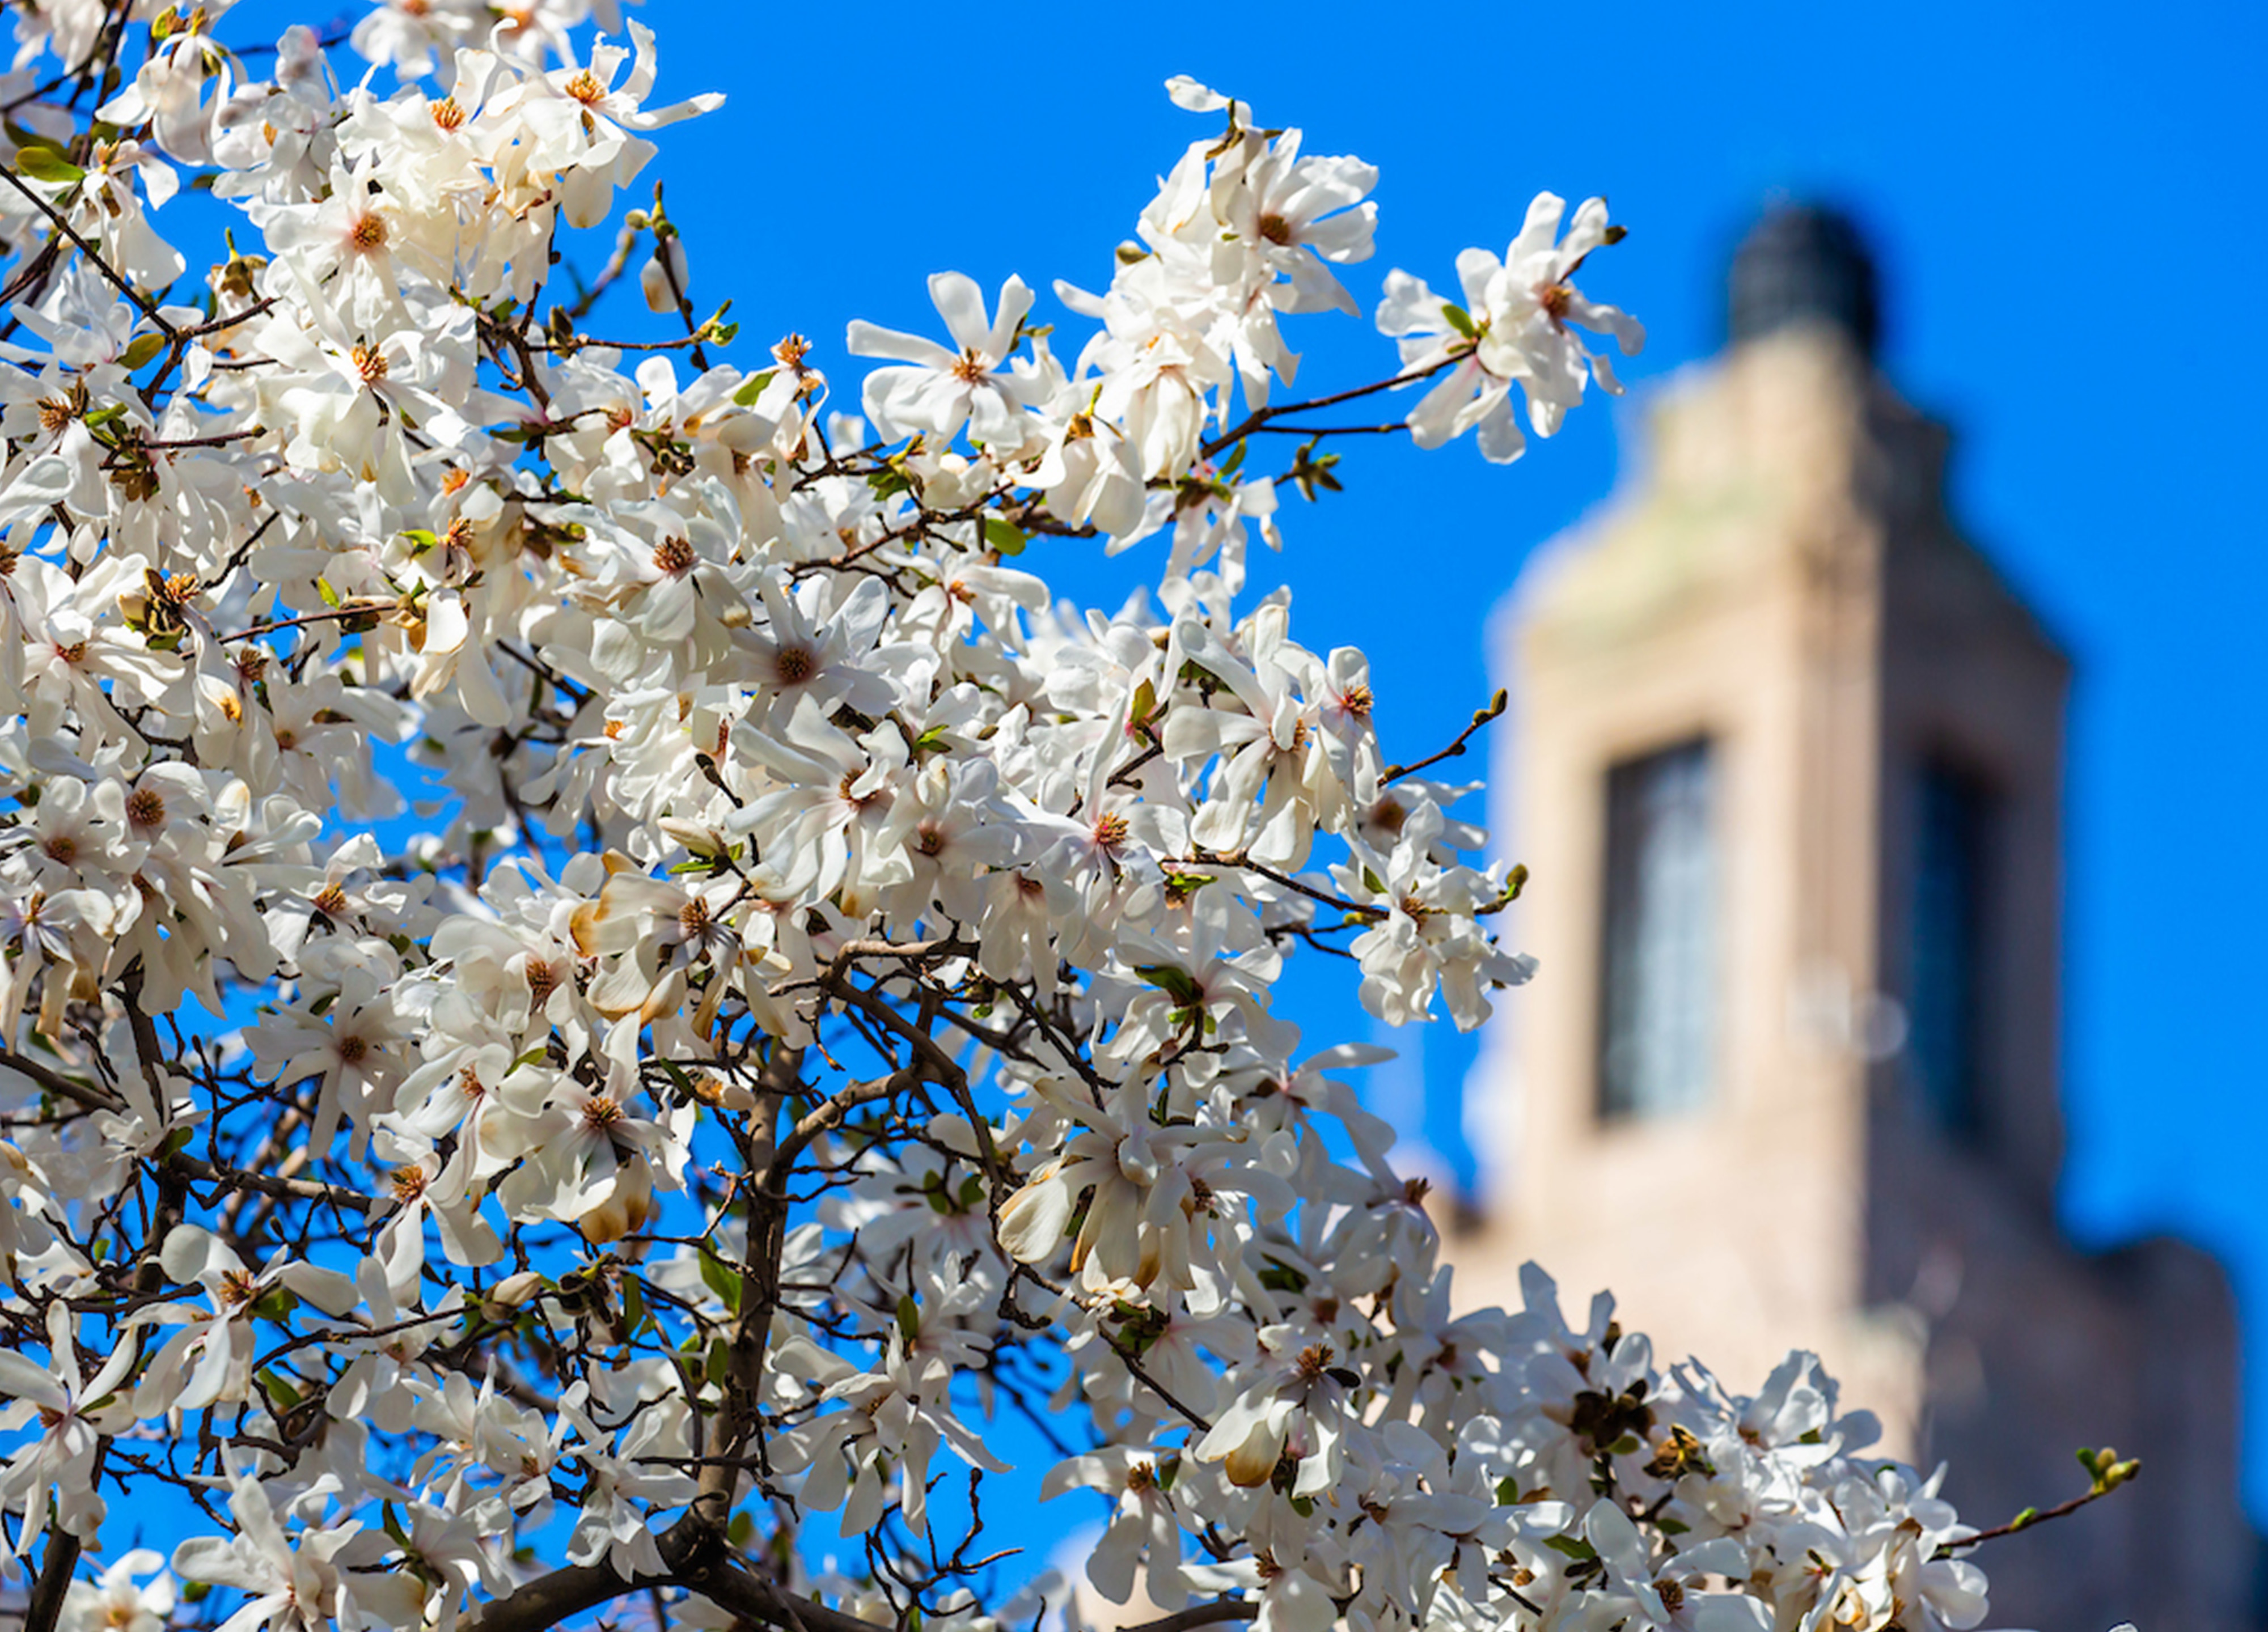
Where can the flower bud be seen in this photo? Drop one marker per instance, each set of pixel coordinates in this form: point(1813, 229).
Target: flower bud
point(663, 278)
point(515, 1290)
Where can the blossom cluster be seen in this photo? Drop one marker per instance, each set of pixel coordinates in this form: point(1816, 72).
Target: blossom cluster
point(833, 1017)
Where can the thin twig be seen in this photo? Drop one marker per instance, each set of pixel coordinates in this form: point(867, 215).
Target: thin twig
point(1481, 716)
point(143, 303)
point(1260, 417)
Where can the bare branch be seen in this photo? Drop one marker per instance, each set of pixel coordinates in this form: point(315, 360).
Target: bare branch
point(54, 1582)
point(1199, 1615)
point(1261, 417)
point(117, 279)
point(1481, 716)
point(93, 1097)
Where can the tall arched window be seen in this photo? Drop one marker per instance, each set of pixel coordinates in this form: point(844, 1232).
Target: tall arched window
point(1658, 1000)
point(1945, 996)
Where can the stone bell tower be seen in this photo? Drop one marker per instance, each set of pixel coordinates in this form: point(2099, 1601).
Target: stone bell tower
point(1786, 763)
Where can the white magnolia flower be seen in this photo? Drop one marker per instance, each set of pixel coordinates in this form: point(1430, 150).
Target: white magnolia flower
point(117, 1601)
point(73, 1410)
point(938, 390)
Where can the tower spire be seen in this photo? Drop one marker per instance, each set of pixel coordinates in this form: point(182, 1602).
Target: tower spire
point(1805, 263)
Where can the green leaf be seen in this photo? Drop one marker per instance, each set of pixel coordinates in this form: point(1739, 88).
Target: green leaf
point(754, 387)
point(722, 1279)
point(1173, 981)
point(22, 137)
point(1280, 1277)
point(1573, 1547)
point(1002, 537)
point(45, 164)
point(330, 596)
point(908, 1319)
point(144, 348)
point(1457, 317)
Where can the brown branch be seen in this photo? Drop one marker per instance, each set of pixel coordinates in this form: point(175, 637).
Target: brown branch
point(352, 609)
point(764, 1177)
point(2032, 1516)
point(61, 1562)
point(616, 265)
point(695, 1558)
point(1481, 716)
point(588, 342)
point(117, 279)
point(1199, 1615)
point(221, 440)
point(94, 1098)
point(1331, 430)
point(1245, 863)
point(936, 1064)
point(1261, 417)
point(279, 1189)
point(832, 1112)
point(694, 331)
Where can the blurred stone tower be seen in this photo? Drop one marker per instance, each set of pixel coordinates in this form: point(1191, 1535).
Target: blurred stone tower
point(1787, 764)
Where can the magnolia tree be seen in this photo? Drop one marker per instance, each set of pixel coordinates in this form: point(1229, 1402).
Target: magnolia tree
point(833, 1026)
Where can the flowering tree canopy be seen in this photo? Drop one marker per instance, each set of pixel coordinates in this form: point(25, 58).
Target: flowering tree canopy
point(833, 1020)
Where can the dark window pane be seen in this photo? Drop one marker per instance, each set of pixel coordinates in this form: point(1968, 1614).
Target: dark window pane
point(1944, 998)
point(1658, 1022)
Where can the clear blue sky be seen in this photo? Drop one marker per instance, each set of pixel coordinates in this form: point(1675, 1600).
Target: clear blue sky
point(2068, 206)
